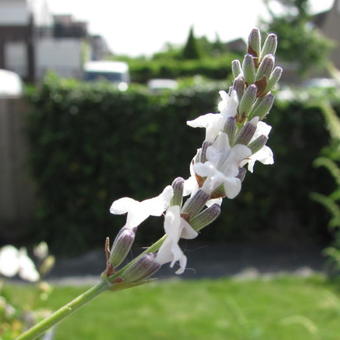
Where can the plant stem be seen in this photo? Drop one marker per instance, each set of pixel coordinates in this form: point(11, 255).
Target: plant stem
point(64, 311)
point(90, 294)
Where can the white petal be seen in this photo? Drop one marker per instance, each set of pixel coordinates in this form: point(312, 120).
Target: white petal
point(202, 121)
point(172, 223)
point(213, 122)
point(228, 104)
point(238, 153)
point(140, 211)
point(157, 205)
point(9, 261)
point(214, 201)
point(27, 270)
point(182, 264)
point(171, 252)
point(261, 129)
point(123, 205)
point(164, 254)
point(219, 148)
point(264, 155)
point(205, 169)
point(232, 186)
point(190, 186)
point(188, 232)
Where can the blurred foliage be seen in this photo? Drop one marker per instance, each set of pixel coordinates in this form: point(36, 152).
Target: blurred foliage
point(92, 144)
point(198, 56)
point(300, 42)
point(191, 48)
point(142, 69)
point(330, 160)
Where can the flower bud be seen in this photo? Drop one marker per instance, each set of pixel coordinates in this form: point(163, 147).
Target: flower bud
point(241, 174)
point(258, 143)
point(248, 99)
point(266, 67)
point(248, 67)
point(177, 185)
point(247, 132)
point(263, 106)
point(206, 217)
point(121, 246)
point(274, 78)
point(236, 68)
point(239, 85)
point(230, 129)
point(254, 42)
point(47, 265)
point(203, 155)
point(142, 269)
point(194, 204)
point(270, 45)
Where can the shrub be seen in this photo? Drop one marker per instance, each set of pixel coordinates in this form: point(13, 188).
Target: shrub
point(218, 68)
point(92, 144)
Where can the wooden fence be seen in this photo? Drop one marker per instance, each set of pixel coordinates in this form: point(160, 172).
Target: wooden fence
point(16, 186)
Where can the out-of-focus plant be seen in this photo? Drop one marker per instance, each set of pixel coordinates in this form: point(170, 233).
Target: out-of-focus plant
point(15, 317)
point(330, 159)
point(300, 42)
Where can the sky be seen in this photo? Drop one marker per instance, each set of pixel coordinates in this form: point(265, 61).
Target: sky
point(142, 27)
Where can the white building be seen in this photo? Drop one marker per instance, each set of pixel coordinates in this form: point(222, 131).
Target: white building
point(33, 42)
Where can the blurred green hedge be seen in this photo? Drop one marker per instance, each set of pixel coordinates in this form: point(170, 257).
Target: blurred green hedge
point(143, 70)
point(92, 144)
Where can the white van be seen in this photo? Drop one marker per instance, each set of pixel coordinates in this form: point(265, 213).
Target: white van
point(115, 72)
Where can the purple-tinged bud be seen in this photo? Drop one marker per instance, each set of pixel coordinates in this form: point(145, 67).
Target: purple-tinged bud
point(248, 99)
point(254, 42)
point(230, 129)
point(177, 186)
point(274, 78)
point(269, 45)
point(203, 155)
point(206, 217)
point(248, 67)
point(142, 269)
point(263, 106)
point(241, 174)
point(266, 67)
point(247, 132)
point(258, 143)
point(121, 246)
point(194, 204)
point(239, 85)
point(236, 68)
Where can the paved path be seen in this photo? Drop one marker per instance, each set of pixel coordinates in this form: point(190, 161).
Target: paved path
point(208, 261)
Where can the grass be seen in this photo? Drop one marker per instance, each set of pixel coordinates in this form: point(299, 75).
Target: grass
point(283, 308)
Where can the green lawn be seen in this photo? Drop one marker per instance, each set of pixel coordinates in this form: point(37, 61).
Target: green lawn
point(283, 308)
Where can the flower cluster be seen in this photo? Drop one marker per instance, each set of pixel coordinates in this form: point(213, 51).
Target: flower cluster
point(235, 139)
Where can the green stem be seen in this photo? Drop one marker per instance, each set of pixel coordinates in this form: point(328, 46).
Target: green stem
point(86, 297)
point(64, 311)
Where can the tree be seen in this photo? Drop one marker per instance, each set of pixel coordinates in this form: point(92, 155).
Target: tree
point(300, 42)
point(191, 48)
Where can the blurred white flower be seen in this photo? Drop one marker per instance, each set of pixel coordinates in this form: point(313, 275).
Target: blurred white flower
point(137, 211)
point(175, 228)
point(214, 122)
point(9, 264)
point(41, 250)
point(14, 261)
